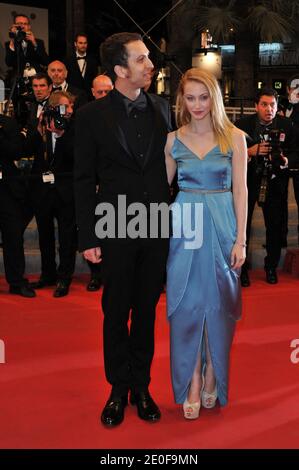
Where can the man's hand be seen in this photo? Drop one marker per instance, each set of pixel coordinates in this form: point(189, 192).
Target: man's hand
point(30, 37)
point(41, 124)
point(94, 255)
point(259, 149)
point(51, 127)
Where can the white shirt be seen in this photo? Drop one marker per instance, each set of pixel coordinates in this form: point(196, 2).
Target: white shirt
point(81, 63)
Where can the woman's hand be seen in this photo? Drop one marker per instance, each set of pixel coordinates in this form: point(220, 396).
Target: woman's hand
point(238, 256)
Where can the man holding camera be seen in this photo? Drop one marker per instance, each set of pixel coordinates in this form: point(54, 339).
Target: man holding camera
point(271, 148)
point(52, 144)
point(22, 42)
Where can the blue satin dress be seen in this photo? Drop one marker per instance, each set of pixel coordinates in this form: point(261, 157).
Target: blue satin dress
point(202, 289)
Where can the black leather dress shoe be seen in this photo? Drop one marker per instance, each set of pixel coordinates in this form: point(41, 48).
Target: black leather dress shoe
point(114, 411)
point(271, 276)
point(146, 407)
point(24, 291)
point(244, 278)
point(93, 285)
point(62, 289)
point(42, 283)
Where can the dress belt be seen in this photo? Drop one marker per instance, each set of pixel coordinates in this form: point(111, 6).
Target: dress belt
point(204, 191)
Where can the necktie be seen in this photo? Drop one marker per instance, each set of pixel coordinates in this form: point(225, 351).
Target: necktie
point(57, 88)
point(139, 104)
point(83, 57)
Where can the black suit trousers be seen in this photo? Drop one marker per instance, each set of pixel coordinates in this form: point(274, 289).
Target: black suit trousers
point(133, 275)
point(273, 212)
point(12, 229)
point(49, 208)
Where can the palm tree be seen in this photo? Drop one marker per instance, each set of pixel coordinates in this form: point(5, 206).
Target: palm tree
point(251, 21)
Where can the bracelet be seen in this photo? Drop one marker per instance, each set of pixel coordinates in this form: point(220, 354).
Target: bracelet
point(241, 244)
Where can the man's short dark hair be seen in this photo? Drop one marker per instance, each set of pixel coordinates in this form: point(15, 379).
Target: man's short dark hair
point(80, 34)
point(113, 51)
point(16, 15)
point(42, 76)
point(265, 92)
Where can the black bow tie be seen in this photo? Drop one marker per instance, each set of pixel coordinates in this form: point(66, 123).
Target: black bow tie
point(139, 104)
point(57, 88)
point(83, 57)
point(42, 103)
point(290, 106)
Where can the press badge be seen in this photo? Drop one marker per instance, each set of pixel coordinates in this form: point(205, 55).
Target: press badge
point(48, 177)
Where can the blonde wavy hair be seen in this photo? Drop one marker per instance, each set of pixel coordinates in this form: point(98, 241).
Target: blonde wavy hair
point(223, 127)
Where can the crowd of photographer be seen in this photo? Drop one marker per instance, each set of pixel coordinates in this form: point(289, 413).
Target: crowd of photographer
point(45, 98)
point(42, 135)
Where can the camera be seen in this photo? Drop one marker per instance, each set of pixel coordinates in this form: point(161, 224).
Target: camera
point(57, 114)
point(267, 166)
point(19, 35)
point(275, 137)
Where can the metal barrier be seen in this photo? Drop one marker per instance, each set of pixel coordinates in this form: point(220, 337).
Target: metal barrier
point(235, 112)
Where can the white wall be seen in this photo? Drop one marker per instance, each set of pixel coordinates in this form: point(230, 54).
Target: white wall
point(39, 26)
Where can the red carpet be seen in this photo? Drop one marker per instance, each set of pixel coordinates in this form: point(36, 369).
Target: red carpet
point(53, 386)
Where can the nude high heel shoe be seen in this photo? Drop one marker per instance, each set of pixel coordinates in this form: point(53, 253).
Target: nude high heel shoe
point(208, 400)
point(191, 410)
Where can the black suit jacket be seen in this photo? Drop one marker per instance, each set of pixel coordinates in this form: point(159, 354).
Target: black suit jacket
point(11, 142)
point(74, 75)
point(35, 57)
point(81, 96)
point(60, 163)
point(102, 155)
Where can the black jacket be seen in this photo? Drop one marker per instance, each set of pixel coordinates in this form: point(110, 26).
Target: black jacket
point(10, 150)
point(102, 154)
point(60, 163)
point(35, 57)
point(74, 76)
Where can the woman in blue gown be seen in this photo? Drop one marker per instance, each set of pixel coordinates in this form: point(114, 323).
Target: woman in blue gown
point(207, 247)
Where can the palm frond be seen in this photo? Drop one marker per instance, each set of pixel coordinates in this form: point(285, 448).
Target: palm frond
point(219, 21)
point(269, 24)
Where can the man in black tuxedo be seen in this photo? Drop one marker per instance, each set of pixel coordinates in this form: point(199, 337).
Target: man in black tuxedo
point(58, 73)
point(31, 50)
point(257, 126)
point(12, 208)
point(52, 144)
point(120, 143)
point(26, 55)
point(82, 67)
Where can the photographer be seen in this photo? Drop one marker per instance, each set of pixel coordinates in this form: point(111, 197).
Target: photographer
point(52, 190)
point(271, 148)
point(32, 53)
point(12, 208)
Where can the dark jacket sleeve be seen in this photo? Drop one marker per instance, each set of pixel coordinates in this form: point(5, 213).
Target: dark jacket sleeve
point(10, 139)
point(85, 179)
point(36, 56)
point(41, 55)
